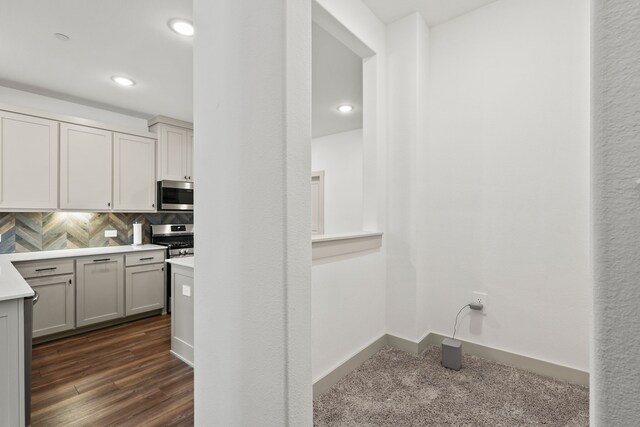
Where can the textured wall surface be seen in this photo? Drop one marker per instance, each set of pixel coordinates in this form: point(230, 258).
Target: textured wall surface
point(616, 169)
point(507, 178)
point(44, 231)
point(252, 314)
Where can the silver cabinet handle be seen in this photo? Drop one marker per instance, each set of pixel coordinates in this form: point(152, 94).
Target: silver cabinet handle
point(46, 269)
point(102, 260)
point(36, 297)
point(146, 259)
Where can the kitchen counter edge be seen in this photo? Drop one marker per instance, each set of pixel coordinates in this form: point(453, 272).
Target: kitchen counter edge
point(13, 286)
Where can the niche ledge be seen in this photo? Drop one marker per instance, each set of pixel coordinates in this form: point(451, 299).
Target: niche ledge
point(330, 245)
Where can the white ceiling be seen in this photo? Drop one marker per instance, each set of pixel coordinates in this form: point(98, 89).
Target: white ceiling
point(434, 11)
point(107, 37)
point(132, 38)
point(336, 80)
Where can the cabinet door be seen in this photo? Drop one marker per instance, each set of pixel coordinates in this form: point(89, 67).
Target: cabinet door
point(100, 289)
point(134, 175)
point(85, 168)
point(189, 156)
point(173, 142)
point(55, 310)
point(28, 162)
point(144, 288)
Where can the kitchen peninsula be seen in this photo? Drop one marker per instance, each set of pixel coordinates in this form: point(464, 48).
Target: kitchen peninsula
point(182, 292)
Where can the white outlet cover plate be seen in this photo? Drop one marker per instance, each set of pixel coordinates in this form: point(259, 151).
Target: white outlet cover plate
point(186, 290)
point(480, 296)
point(110, 233)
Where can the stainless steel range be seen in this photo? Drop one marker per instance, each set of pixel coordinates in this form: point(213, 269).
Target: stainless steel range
point(178, 238)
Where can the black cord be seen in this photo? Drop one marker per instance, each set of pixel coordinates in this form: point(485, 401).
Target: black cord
point(455, 325)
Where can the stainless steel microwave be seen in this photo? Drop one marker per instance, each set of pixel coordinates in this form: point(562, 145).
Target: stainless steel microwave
point(175, 195)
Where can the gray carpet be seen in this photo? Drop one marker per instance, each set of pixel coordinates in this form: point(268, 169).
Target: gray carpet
point(395, 388)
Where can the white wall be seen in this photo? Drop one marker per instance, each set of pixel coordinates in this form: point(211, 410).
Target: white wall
point(340, 157)
point(19, 98)
point(348, 308)
point(407, 52)
point(252, 314)
point(615, 385)
point(348, 300)
point(507, 196)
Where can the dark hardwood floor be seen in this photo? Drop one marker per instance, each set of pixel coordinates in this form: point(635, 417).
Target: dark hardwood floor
point(120, 376)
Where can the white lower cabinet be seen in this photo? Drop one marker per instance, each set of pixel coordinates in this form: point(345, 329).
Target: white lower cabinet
point(55, 310)
point(144, 288)
point(100, 289)
point(83, 291)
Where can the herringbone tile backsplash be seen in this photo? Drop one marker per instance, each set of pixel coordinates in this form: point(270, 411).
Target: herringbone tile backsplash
point(43, 231)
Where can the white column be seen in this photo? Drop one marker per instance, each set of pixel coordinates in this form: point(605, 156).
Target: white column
point(615, 388)
point(252, 104)
point(407, 51)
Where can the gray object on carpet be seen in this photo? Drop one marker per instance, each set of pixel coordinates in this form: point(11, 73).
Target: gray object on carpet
point(395, 388)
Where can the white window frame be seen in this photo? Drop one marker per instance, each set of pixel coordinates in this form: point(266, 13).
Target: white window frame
point(317, 206)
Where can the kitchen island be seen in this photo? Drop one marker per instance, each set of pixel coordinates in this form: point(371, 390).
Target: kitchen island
point(182, 308)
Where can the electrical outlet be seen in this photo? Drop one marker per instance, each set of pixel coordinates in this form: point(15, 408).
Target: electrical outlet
point(110, 233)
point(479, 298)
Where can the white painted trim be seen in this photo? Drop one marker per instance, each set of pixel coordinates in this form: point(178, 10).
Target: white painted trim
point(74, 120)
point(526, 363)
point(177, 356)
point(318, 176)
point(344, 236)
point(325, 246)
point(169, 121)
point(322, 384)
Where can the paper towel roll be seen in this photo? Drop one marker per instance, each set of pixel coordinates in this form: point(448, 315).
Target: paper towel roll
point(137, 234)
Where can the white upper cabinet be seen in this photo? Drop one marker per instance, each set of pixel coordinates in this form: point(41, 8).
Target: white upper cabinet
point(85, 168)
point(28, 162)
point(175, 148)
point(134, 173)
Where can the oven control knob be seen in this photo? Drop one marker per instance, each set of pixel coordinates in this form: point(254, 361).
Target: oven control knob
point(183, 251)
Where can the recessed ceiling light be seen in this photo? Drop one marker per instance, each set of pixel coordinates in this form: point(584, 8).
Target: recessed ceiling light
point(345, 108)
point(61, 36)
point(182, 27)
point(123, 81)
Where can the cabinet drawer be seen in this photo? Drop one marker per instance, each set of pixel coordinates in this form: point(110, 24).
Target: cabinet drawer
point(141, 258)
point(45, 268)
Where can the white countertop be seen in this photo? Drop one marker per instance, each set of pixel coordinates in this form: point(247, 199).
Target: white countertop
point(12, 285)
point(184, 261)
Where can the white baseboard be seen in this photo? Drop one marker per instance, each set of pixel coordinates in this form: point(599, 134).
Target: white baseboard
point(526, 363)
point(547, 369)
